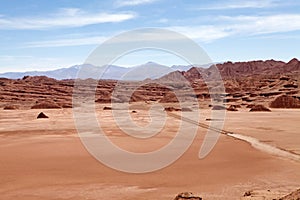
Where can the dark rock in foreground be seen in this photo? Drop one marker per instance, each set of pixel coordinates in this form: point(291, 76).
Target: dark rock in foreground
point(42, 116)
point(187, 195)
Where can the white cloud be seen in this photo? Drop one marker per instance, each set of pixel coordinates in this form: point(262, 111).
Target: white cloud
point(242, 25)
point(67, 42)
point(234, 4)
point(96, 40)
point(227, 26)
point(122, 3)
point(202, 33)
point(65, 18)
point(255, 25)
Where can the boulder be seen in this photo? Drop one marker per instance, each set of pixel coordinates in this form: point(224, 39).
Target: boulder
point(248, 194)
point(232, 108)
point(187, 195)
point(259, 108)
point(42, 116)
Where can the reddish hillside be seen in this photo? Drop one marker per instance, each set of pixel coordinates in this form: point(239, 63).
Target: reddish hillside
point(230, 69)
point(238, 69)
point(270, 83)
point(292, 65)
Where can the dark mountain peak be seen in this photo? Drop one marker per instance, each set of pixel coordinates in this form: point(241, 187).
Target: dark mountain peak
point(292, 65)
point(174, 76)
point(293, 61)
point(194, 70)
point(227, 63)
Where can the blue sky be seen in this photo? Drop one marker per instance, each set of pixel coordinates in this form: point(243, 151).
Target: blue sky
point(43, 35)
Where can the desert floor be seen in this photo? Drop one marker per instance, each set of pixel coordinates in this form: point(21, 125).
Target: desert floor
point(45, 159)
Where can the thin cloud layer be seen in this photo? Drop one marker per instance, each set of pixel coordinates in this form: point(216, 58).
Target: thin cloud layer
point(123, 3)
point(230, 26)
point(242, 25)
point(66, 42)
point(234, 4)
point(65, 18)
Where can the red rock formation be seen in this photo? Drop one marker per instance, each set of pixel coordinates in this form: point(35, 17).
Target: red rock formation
point(238, 69)
point(230, 69)
point(11, 107)
point(46, 105)
point(285, 101)
point(255, 81)
point(259, 108)
point(232, 108)
point(169, 98)
point(292, 65)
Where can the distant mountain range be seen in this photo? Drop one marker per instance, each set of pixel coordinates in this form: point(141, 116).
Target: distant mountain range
point(154, 70)
point(148, 70)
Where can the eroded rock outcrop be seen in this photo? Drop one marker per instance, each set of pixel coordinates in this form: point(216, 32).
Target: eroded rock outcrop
point(11, 107)
point(285, 101)
point(46, 105)
point(259, 108)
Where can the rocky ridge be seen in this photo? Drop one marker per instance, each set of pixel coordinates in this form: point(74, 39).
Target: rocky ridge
point(270, 83)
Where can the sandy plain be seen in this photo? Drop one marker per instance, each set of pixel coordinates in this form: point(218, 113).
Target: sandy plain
point(45, 159)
